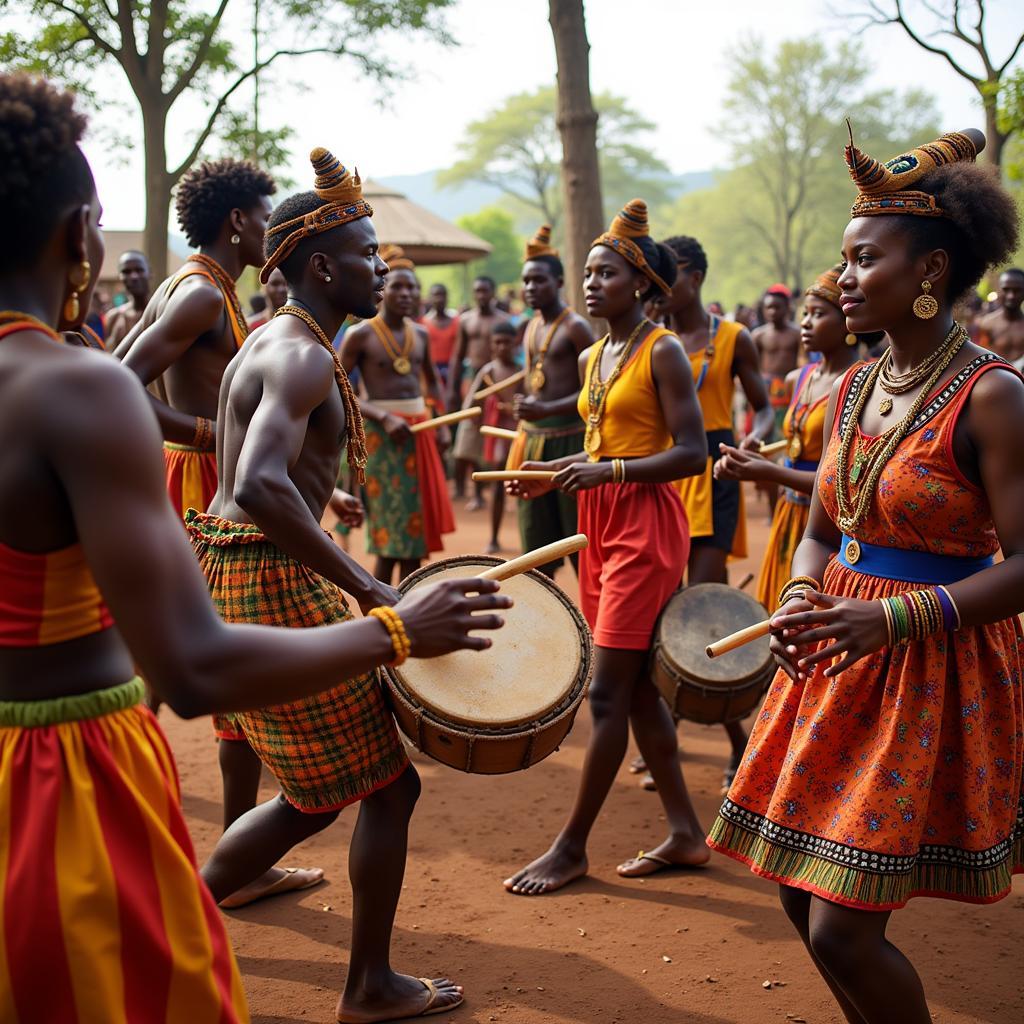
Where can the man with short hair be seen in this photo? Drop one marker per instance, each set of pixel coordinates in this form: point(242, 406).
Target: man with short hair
point(1002, 330)
point(133, 270)
point(441, 324)
point(472, 350)
point(778, 346)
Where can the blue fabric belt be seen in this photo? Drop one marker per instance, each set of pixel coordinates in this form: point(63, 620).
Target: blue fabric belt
point(908, 566)
point(804, 465)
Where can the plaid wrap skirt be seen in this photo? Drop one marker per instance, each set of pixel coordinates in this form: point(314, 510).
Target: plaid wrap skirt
point(328, 750)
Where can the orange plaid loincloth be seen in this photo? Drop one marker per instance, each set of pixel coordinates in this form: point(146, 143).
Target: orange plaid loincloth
point(325, 751)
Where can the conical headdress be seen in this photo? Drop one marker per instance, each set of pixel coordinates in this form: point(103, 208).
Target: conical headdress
point(342, 192)
point(629, 224)
point(886, 188)
point(540, 244)
point(394, 256)
point(826, 286)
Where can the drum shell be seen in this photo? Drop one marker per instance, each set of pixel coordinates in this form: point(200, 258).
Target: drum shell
point(484, 750)
point(704, 701)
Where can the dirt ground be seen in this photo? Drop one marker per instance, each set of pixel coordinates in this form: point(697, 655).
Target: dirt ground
point(681, 947)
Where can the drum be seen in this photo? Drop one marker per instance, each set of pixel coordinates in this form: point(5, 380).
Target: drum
point(506, 708)
point(703, 689)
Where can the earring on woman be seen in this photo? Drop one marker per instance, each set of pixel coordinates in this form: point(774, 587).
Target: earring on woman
point(79, 281)
point(236, 238)
point(851, 340)
point(925, 306)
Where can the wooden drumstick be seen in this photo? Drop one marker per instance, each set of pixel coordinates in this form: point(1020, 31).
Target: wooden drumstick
point(448, 417)
point(514, 474)
point(769, 451)
point(500, 386)
point(505, 435)
point(739, 638)
point(536, 558)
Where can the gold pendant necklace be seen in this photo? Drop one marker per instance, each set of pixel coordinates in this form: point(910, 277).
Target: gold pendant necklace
point(598, 390)
point(399, 359)
point(537, 376)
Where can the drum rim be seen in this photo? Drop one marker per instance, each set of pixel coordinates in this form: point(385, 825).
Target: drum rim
point(565, 706)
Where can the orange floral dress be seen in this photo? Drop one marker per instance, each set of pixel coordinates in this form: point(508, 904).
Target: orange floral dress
point(901, 777)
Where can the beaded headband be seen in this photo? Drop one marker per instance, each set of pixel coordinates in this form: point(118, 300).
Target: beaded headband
point(826, 286)
point(343, 193)
point(630, 223)
point(885, 188)
point(394, 256)
point(540, 244)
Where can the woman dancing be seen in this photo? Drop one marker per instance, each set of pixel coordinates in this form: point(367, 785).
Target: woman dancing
point(644, 430)
point(886, 761)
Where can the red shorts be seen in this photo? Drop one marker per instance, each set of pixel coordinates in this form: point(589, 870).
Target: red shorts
point(639, 545)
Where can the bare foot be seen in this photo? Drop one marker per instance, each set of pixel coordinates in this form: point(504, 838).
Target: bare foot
point(648, 783)
point(675, 852)
point(637, 765)
point(474, 505)
point(547, 873)
point(494, 548)
point(273, 883)
point(400, 998)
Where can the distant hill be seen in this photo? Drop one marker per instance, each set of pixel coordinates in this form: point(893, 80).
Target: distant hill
point(451, 203)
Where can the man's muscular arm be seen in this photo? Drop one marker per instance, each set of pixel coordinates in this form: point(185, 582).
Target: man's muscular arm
point(264, 488)
point(190, 313)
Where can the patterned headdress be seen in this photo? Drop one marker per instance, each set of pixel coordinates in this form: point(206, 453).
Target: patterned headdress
point(540, 244)
point(886, 188)
point(394, 256)
point(827, 286)
point(631, 223)
point(342, 192)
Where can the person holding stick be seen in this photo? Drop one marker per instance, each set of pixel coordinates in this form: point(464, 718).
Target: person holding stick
point(407, 505)
point(886, 762)
point(822, 330)
point(105, 917)
point(643, 431)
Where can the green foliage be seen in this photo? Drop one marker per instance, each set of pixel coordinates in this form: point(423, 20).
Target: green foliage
point(779, 214)
point(1011, 121)
point(517, 149)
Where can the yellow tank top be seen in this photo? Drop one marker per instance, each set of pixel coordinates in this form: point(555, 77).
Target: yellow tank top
point(712, 373)
point(633, 425)
point(809, 419)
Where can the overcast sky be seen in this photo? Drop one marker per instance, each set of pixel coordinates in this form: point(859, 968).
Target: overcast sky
point(670, 58)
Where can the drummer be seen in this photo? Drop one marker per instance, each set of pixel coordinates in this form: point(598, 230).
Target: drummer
point(822, 330)
point(643, 430)
point(549, 425)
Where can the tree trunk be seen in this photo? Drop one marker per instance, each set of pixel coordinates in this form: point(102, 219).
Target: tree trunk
point(994, 138)
point(158, 188)
point(577, 125)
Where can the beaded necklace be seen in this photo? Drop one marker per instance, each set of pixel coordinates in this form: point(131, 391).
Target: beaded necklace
point(228, 289)
point(709, 351)
point(356, 452)
point(9, 316)
point(399, 359)
point(899, 384)
point(801, 411)
point(598, 390)
point(537, 377)
point(872, 456)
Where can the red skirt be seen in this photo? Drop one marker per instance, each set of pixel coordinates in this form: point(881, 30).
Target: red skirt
point(639, 546)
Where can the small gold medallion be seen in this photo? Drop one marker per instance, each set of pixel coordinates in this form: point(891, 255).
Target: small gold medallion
point(592, 441)
point(537, 379)
point(852, 552)
point(885, 407)
point(402, 366)
point(796, 448)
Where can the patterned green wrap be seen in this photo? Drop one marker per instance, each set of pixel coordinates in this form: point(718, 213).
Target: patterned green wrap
point(394, 510)
point(325, 751)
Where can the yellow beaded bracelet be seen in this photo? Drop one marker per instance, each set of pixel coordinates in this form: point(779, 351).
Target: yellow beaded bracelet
point(392, 622)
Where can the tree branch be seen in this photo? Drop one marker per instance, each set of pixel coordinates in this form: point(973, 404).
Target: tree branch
point(91, 30)
point(199, 57)
point(900, 19)
point(129, 51)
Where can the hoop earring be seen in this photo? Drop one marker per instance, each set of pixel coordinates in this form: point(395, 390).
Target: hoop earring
point(925, 306)
point(72, 307)
point(851, 340)
point(235, 239)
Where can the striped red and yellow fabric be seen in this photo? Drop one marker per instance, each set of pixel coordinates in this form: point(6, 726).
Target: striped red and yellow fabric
point(104, 916)
point(48, 598)
point(191, 477)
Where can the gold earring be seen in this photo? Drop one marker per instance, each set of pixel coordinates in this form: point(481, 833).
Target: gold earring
point(925, 306)
point(851, 340)
point(636, 294)
point(79, 281)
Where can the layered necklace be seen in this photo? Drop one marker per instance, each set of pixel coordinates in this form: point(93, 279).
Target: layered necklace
point(899, 384)
point(356, 452)
point(227, 286)
point(537, 377)
point(871, 455)
point(598, 390)
point(399, 358)
point(800, 413)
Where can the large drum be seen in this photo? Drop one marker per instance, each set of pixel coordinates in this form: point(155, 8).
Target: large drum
point(508, 707)
point(703, 689)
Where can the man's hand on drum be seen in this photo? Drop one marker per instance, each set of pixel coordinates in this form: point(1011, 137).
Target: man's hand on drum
point(532, 488)
point(852, 628)
point(740, 464)
point(439, 617)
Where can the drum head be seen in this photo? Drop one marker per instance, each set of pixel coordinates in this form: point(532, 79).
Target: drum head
point(702, 614)
point(529, 671)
